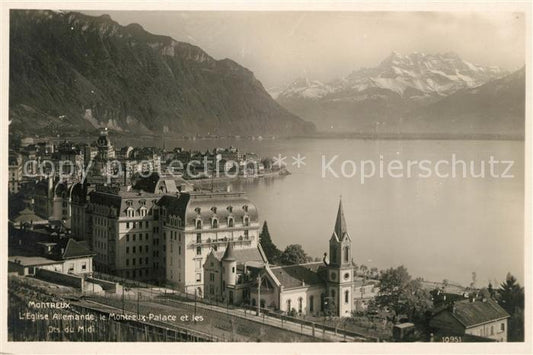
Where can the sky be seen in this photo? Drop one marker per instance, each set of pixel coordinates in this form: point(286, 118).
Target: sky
point(282, 46)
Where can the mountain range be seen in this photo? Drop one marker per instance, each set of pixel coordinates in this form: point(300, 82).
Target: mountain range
point(414, 93)
point(73, 73)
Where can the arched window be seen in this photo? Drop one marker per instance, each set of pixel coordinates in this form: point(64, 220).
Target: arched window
point(300, 304)
point(246, 221)
point(311, 303)
point(346, 254)
point(346, 296)
point(289, 305)
point(198, 224)
point(334, 255)
point(214, 223)
point(230, 222)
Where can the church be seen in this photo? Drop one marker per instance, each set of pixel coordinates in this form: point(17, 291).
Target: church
point(330, 287)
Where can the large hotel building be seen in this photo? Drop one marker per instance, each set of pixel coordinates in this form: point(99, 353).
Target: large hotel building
point(164, 236)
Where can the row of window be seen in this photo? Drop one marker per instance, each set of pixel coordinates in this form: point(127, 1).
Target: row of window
point(485, 331)
point(172, 248)
point(134, 260)
point(300, 303)
point(100, 233)
point(134, 237)
point(230, 222)
point(134, 249)
point(99, 244)
point(137, 273)
point(139, 224)
point(100, 221)
point(173, 235)
point(141, 212)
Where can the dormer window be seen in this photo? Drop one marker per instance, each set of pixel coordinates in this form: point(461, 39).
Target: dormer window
point(130, 212)
point(245, 208)
point(198, 210)
point(143, 211)
point(230, 209)
point(214, 209)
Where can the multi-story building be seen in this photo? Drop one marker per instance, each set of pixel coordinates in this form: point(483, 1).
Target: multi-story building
point(15, 172)
point(196, 223)
point(123, 226)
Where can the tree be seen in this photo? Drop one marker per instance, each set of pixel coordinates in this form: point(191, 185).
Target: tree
point(511, 297)
point(403, 295)
point(511, 294)
point(271, 250)
point(293, 254)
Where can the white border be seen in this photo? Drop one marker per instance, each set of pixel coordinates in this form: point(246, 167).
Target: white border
point(266, 348)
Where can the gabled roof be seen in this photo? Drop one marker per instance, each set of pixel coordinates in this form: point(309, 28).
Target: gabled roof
point(470, 313)
point(74, 249)
point(290, 276)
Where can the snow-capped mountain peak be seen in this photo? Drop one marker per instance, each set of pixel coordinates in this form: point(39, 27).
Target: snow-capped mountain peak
point(412, 75)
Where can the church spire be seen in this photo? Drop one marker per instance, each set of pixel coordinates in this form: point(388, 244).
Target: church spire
point(340, 224)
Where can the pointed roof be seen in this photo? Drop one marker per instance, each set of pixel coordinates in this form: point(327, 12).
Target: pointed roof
point(229, 255)
point(340, 224)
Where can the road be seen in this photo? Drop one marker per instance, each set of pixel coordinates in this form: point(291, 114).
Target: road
point(251, 316)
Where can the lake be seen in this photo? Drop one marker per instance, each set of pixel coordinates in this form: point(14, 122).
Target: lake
point(438, 227)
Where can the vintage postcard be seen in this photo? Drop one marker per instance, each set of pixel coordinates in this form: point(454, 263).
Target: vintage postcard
point(296, 177)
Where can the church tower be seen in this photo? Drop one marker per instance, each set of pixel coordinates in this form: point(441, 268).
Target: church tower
point(340, 269)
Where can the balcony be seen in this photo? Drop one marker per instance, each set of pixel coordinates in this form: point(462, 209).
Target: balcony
point(224, 228)
point(223, 241)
